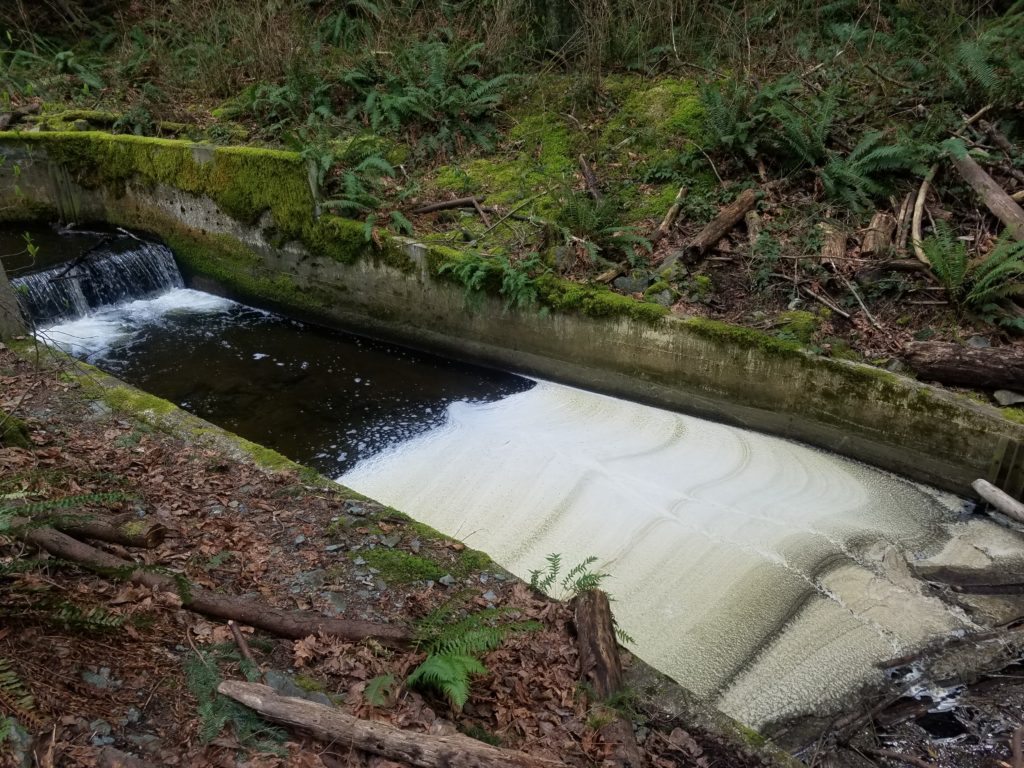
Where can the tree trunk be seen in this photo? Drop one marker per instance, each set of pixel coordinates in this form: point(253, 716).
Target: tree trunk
point(999, 499)
point(719, 227)
point(601, 672)
point(994, 368)
point(833, 243)
point(878, 238)
point(278, 621)
point(334, 726)
point(11, 321)
point(995, 198)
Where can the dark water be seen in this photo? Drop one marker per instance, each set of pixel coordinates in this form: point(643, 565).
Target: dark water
point(321, 397)
point(53, 244)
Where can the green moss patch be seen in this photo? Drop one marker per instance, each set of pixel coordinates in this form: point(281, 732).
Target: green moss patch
point(13, 431)
point(400, 567)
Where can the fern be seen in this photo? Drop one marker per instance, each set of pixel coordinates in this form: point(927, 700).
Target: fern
point(452, 648)
point(16, 699)
point(977, 284)
point(379, 690)
point(216, 711)
point(863, 174)
point(95, 619)
point(578, 579)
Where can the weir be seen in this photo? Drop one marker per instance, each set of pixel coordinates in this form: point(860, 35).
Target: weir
point(769, 577)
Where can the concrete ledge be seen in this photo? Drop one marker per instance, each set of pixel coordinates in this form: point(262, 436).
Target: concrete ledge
point(245, 222)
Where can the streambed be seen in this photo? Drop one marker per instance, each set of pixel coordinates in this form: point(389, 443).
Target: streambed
point(765, 575)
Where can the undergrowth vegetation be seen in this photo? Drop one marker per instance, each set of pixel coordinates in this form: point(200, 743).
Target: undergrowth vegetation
point(838, 108)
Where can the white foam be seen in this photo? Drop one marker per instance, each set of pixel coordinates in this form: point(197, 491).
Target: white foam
point(739, 560)
point(108, 326)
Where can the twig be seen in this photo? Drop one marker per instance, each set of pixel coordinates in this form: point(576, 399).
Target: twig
point(860, 301)
point(241, 642)
point(447, 205)
point(825, 302)
point(908, 759)
point(670, 217)
point(915, 232)
point(589, 178)
point(508, 215)
point(481, 213)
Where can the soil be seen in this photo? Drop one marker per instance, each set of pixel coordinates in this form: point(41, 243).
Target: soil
point(111, 664)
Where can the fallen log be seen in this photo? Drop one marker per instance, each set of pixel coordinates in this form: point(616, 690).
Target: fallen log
point(13, 117)
point(332, 725)
point(293, 625)
point(601, 672)
point(995, 198)
point(144, 534)
point(990, 368)
point(670, 217)
point(1002, 501)
point(872, 273)
point(878, 238)
point(903, 223)
point(719, 227)
point(589, 178)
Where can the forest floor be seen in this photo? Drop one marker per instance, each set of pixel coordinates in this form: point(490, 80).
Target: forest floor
point(111, 664)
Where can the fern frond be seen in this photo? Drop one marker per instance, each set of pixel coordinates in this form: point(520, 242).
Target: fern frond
point(16, 699)
point(449, 674)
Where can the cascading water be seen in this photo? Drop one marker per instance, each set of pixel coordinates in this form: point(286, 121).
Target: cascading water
point(114, 271)
point(765, 575)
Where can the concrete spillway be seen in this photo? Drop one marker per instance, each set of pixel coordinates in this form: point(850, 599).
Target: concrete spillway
point(756, 571)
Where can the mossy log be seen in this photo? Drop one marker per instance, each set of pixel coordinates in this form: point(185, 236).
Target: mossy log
point(995, 198)
point(601, 673)
point(947, 363)
point(336, 727)
point(144, 534)
point(293, 625)
point(878, 238)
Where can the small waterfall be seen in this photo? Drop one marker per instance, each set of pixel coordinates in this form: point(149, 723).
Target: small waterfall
point(110, 273)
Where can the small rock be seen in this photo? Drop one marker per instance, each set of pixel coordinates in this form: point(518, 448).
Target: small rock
point(489, 596)
point(1005, 397)
point(233, 504)
point(662, 297)
point(319, 697)
point(337, 602)
point(283, 684)
point(131, 717)
point(100, 727)
point(978, 342)
point(635, 283)
point(446, 580)
point(300, 539)
point(101, 679)
point(896, 366)
point(359, 561)
point(415, 545)
point(80, 125)
point(333, 547)
point(216, 509)
point(355, 508)
point(310, 579)
point(484, 578)
point(147, 742)
point(392, 540)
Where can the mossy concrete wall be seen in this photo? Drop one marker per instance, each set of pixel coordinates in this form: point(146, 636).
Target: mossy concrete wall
point(245, 222)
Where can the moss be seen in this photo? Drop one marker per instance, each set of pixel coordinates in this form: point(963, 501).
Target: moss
point(401, 567)
point(472, 561)
point(135, 402)
point(13, 431)
point(567, 296)
point(1013, 414)
point(654, 116)
point(798, 325)
point(744, 338)
point(310, 684)
point(749, 735)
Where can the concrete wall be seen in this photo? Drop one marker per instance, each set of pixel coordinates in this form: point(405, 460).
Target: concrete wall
point(239, 241)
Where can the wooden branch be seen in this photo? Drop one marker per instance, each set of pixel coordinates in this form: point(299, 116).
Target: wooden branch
point(999, 499)
point(878, 239)
point(610, 274)
point(589, 178)
point(873, 272)
point(601, 671)
point(996, 200)
point(278, 621)
point(145, 534)
point(719, 227)
point(825, 302)
point(833, 243)
point(332, 725)
point(15, 115)
point(889, 754)
point(990, 368)
point(670, 217)
point(447, 205)
point(915, 231)
point(753, 222)
point(903, 222)
point(115, 758)
point(481, 213)
point(1018, 197)
point(242, 643)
